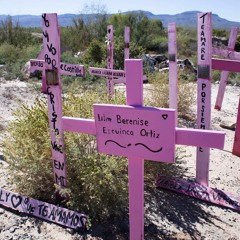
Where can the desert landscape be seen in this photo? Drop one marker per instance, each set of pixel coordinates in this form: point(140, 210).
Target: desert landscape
point(168, 215)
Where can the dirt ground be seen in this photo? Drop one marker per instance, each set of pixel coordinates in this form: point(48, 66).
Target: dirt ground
point(168, 215)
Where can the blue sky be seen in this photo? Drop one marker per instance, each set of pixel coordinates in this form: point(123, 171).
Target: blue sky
point(228, 9)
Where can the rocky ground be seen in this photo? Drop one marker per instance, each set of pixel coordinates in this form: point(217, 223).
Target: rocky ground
point(168, 215)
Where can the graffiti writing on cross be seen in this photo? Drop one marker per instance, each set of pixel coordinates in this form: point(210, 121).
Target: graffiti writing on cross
point(43, 210)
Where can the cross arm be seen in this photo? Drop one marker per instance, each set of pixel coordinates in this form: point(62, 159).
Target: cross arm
point(80, 125)
point(65, 68)
point(197, 137)
point(226, 65)
point(191, 137)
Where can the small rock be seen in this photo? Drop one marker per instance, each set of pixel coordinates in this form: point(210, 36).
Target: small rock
point(2, 211)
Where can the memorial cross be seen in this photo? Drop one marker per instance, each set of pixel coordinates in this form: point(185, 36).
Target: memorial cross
point(204, 92)
point(114, 76)
point(139, 133)
point(52, 69)
point(231, 66)
point(224, 75)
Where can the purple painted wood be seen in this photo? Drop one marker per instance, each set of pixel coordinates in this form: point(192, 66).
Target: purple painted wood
point(110, 46)
point(194, 137)
point(134, 91)
point(106, 72)
point(236, 144)
point(227, 65)
point(42, 210)
point(126, 44)
point(79, 125)
point(224, 74)
point(136, 132)
point(199, 191)
point(204, 92)
point(65, 68)
point(51, 43)
point(226, 53)
point(173, 78)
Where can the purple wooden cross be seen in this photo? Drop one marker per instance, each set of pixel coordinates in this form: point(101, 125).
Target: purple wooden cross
point(52, 70)
point(204, 92)
point(224, 74)
point(139, 133)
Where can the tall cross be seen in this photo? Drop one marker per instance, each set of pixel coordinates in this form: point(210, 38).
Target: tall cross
point(139, 133)
point(52, 69)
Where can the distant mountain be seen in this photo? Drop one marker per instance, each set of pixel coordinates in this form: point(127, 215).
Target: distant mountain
point(185, 19)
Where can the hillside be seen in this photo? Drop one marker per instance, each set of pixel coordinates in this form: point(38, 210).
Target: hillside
point(185, 19)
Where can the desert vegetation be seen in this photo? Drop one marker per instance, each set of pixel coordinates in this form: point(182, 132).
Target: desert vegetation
point(97, 183)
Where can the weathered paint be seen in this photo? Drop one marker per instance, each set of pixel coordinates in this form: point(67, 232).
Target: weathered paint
point(204, 92)
point(42, 210)
point(236, 144)
point(51, 43)
point(196, 190)
point(110, 47)
point(224, 74)
point(173, 77)
point(143, 132)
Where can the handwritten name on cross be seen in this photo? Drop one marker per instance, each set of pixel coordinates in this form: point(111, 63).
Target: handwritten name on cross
point(228, 54)
point(52, 70)
point(139, 132)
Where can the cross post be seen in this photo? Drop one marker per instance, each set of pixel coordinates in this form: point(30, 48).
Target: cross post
point(139, 133)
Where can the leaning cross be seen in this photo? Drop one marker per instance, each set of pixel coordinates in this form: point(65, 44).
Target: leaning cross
point(228, 54)
point(52, 70)
point(139, 133)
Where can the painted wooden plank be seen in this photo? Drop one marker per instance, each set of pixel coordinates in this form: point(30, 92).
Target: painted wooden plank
point(110, 46)
point(134, 91)
point(226, 53)
point(104, 72)
point(199, 191)
point(136, 132)
point(51, 43)
point(224, 74)
point(126, 44)
point(42, 210)
point(195, 137)
point(65, 68)
point(204, 92)
point(86, 126)
point(226, 65)
point(236, 143)
point(173, 78)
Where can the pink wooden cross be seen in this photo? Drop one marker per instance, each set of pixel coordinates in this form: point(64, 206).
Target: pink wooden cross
point(139, 133)
point(173, 77)
point(114, 76)
point(52, 70)
point(229, 54)
point(204, 92)
point(200, 188)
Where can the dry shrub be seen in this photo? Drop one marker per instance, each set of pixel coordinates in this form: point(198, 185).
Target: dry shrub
point(159, 94)
point(97, 184)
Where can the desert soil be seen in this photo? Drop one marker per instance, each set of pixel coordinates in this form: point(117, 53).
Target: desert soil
point(168, 215)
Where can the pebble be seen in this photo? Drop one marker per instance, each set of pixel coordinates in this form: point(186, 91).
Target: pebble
point(2, 211)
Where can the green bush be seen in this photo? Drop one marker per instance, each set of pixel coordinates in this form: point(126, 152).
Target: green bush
point(159, 93)
point(97, 184)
